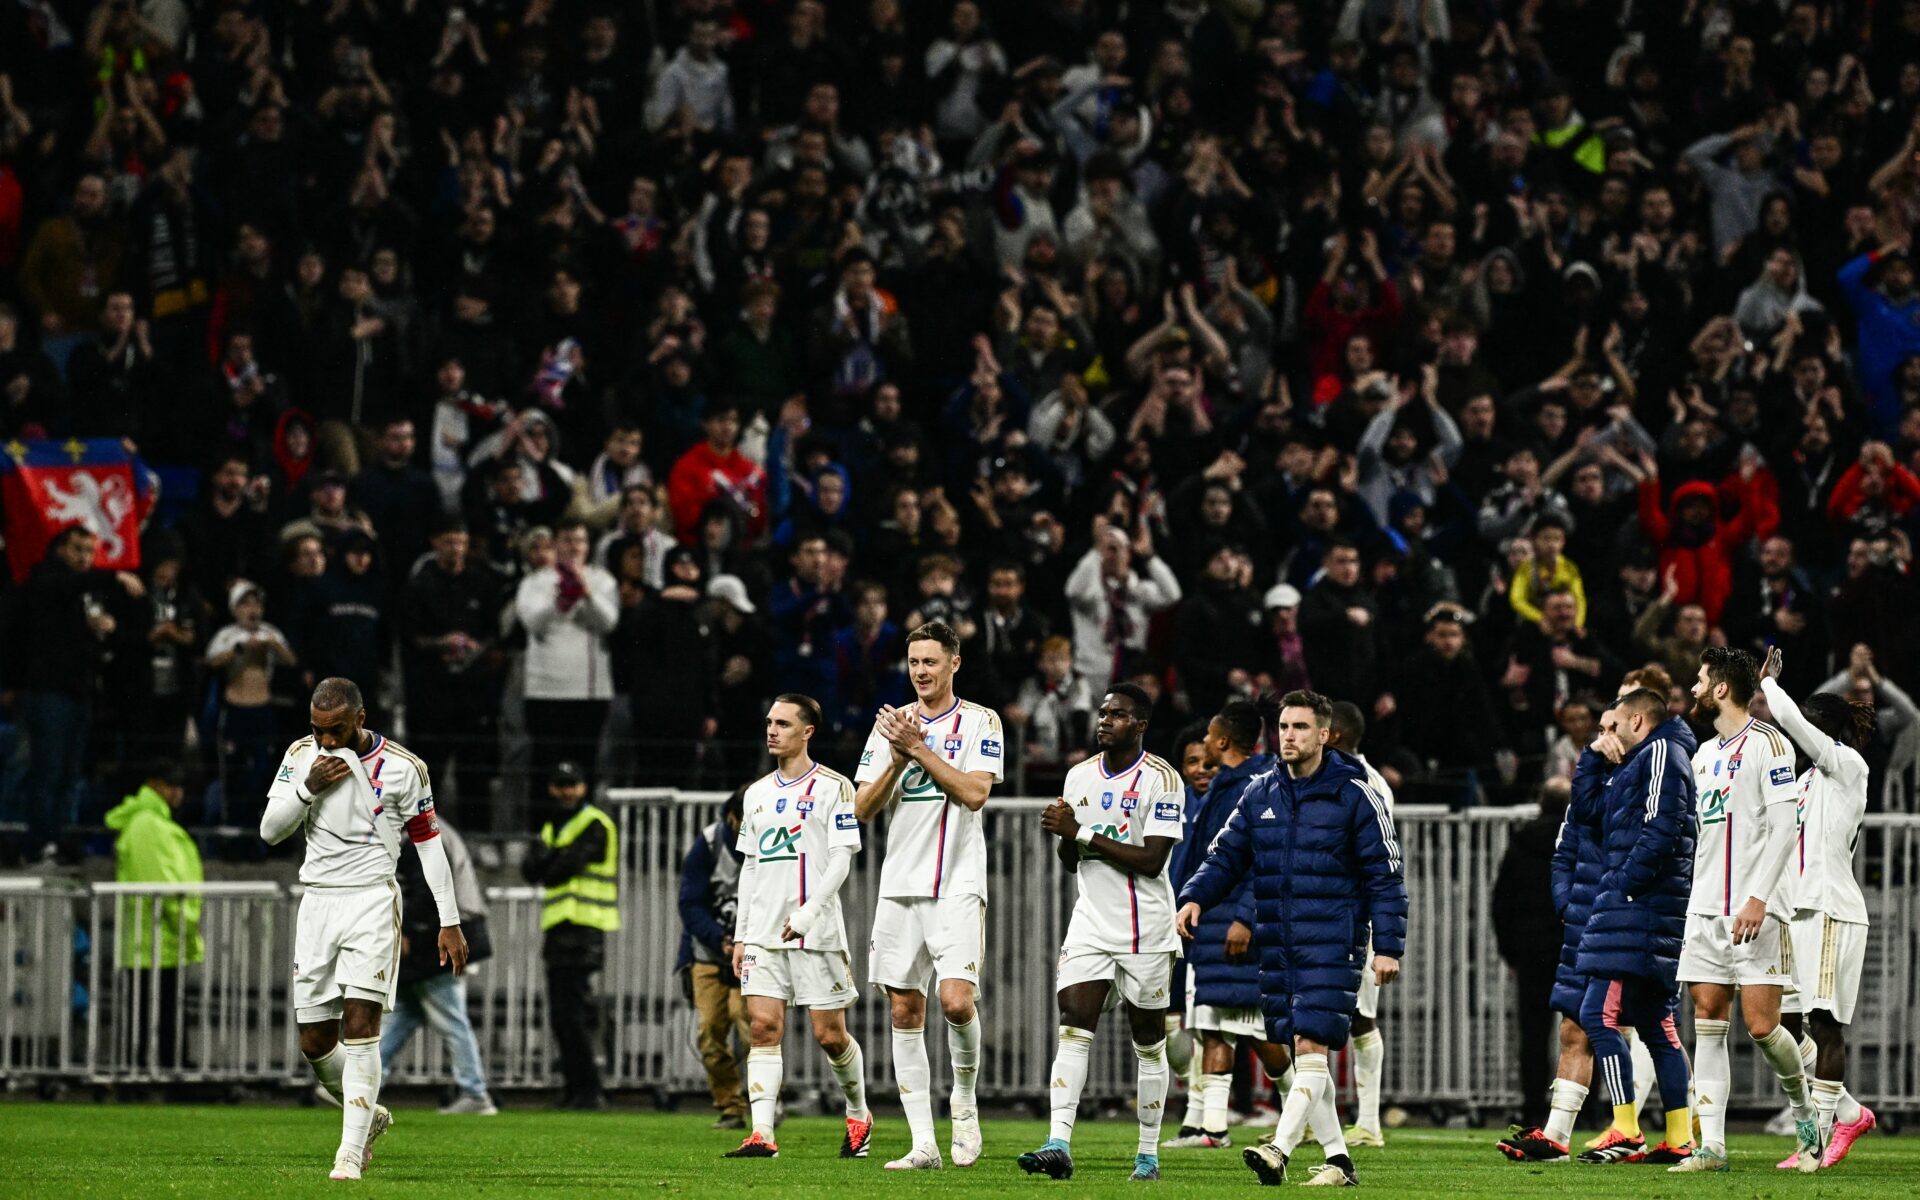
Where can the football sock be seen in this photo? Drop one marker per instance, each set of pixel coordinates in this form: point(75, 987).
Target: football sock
point(1826, 1102)
point(1712, 1076)
point(1783, 1055)
point(1369, 1055)
point(1323, 1123)
point(1626, 1119)
point(1069, 1077)
point(963, 1048)
point(915, 1077)
point(1150, 1103)
point(1643, 1073)
point(327, 1069)
point(1196, 1093)
point(1217, 1089)
point(764, 1068)
point(359, 1092)
point(1567, 1097)
point(1849, 1109)
point(1311, 1081)
point(1679, 1126)
point(851, 1070)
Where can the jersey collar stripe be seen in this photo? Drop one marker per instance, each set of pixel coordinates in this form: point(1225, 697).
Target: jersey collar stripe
point(1737, 733)
point(942, 716)
point(1123, 770)
point(378, 742)
point(787, 783)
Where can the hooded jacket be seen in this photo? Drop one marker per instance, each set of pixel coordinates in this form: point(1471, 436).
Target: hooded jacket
point(1702, 559)
point(150, 847)
point(1576, 877)
point(1325, 866)
point(1642, 818)
point(1221, 982)
point(1764, 305)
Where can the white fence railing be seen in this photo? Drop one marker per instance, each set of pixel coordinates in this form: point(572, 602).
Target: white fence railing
point(70, 1010)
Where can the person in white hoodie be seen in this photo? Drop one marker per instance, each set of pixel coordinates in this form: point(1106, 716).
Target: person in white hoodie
point(568, 609)
point(694, 87)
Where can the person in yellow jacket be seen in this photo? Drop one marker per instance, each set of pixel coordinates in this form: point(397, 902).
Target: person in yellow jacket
point(150, 846)
point(578, 862)
point(1550, 570)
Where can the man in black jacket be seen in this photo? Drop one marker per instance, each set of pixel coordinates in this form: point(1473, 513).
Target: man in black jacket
point(54, 652)
point(1773, 603)
point(1338, 619)
point(453, 668)
point(1447, 718)
point(1527, 931)
point(430, 991)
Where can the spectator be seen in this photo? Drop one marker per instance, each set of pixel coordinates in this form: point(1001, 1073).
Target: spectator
point(709, 893)
point(569, 609)
point(70, 264)
point(168, 691)
point(454, 664)
point(1337, 626)
point(1112, 602)
point(716, 470)
point(1283, 664)
point(1217, 632)
point(1774, 603)
point(429, 991)
point(1547, 664)
point(638, 526)
point(1447, 718)
point(1549, 570)
point(1001, 657)
point(245, 653)
point(398, 498)
point(157, 936)
point(869, 656)
point(1888, 311)
point(350, 633)
point(1677, 650)
point(665, 654)
point(1693, 539)
point(1057, 706)
point(33, 395)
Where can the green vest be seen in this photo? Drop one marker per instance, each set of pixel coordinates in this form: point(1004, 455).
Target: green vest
point(591, 898)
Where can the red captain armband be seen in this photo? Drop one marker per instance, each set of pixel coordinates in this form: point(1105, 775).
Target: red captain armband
point(423, 828)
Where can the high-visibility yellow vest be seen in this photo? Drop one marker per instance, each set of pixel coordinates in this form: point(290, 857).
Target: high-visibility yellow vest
point(591, 898)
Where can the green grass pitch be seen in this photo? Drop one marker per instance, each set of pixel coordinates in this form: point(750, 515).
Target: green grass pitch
point(71, 1151)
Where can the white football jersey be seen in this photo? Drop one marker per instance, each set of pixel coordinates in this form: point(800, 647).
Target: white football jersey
point(353, 831)
point(1833, 804)
point(787, 826)
point(1737, 778)
point(1117, 911)
point(1376, 781)
point(936, 847)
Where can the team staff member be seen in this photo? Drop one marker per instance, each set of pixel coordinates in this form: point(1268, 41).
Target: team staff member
point(1320, 847)
point(578, 861)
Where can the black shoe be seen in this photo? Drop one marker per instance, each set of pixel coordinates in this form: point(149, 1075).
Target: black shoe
point(1055, 1164)
point(1531, 1145)
point(754, 1147)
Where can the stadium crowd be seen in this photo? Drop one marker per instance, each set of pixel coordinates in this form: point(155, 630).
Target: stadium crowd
point(576, 373)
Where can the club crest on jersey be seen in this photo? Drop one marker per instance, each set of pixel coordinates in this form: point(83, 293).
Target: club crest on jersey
point(1129, 801)
point(1716, 766)
point(954, 744)
point(1733, 764)
point(780, 805)
point(804, 805)
point(1106, 800)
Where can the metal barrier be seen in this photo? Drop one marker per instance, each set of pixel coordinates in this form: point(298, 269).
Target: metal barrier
point(75, 1008)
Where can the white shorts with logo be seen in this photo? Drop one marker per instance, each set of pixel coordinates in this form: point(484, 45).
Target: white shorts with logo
point(821, 979)
point(1366, 1002)
point(918, 940)
point(1230, 1023)
point(1709, 955)
point(1828, 959)
point(1142, 980)
point(346, 946)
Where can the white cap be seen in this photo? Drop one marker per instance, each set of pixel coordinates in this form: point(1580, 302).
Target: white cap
point(1283, 595)
point(240, 590)
point(730, 589)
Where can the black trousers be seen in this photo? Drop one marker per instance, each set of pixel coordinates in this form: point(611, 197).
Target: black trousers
point(574, 1018)
point(563, 731)
point(161, 992)
point(1533, 989)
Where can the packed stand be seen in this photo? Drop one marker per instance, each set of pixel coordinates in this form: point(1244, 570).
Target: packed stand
point(577, 375)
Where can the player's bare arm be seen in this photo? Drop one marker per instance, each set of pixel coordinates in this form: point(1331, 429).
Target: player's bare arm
point(1145, 861)
point(873, 795)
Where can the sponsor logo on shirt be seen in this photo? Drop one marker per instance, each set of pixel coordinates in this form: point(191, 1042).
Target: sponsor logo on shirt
point(1166, 810)
point(1781, 775)
point(780, 845)
point(286, 772)
point(866, 758)
point(989, 748)
point(846, 821)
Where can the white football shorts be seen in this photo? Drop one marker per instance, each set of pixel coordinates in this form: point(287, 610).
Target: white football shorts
point(821, 979)
point(918, 940)
point(346, 946)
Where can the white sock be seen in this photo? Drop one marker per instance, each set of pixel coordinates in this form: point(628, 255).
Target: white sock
point(1783, 1055)
point(1643, 1074)
point(1150, 1103)
point(1217, 1089)
point(1369, 1056)
point(1568, 1096)
point(963, 1047)
point(764, 1069)
point(327, 1067)
point(1323, 1123)
point(1196, 1095)
point(851, 1070)
point(1712, 1076)
point(359, 1092)
point(1826, 1102)
point(915, 1078)
point(1068, 1079)
point(1849, 1110)
point(1311, 1081)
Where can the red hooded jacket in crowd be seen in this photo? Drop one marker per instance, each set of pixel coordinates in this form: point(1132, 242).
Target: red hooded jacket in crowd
point(1702, 556)
point(704, 474)
point(1850, 495)
point(1329, 329)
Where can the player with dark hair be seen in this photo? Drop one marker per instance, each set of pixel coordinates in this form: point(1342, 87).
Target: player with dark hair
point(932, 767)
point(1319, 845)
point(1829, 929)
point(1118, 819)
point(1347, 729)
point(1741, 902)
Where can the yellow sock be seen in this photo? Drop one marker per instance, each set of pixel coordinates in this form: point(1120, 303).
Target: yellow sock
point(1626, 1120)
point(1679, 1127)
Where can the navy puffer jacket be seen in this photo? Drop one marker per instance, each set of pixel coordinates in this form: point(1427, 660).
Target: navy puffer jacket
point(1644, 818)
point(1325, 863)
point(1218, 981)
point(1576, 877)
